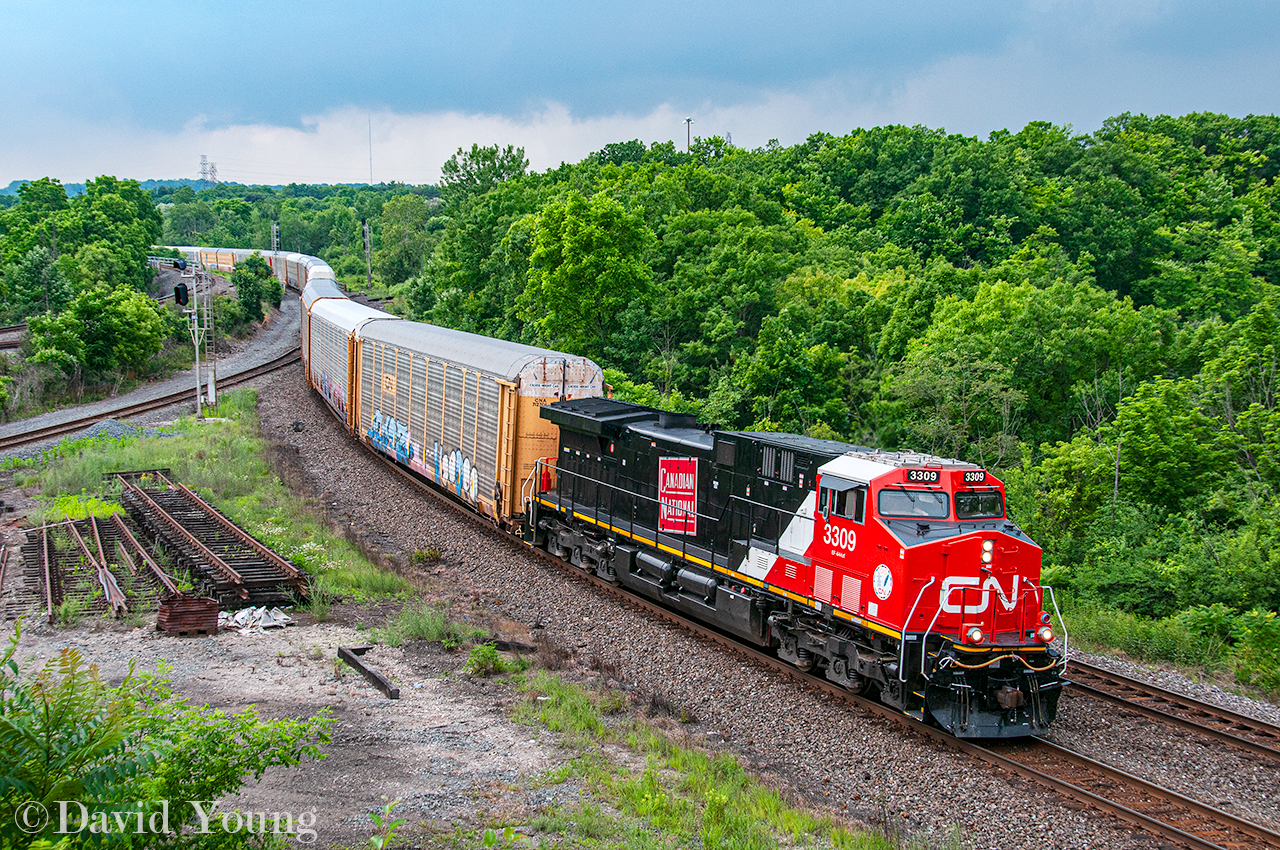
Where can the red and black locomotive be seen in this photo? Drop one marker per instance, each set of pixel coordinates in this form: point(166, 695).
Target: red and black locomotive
point(887, 571)
point(884, 571)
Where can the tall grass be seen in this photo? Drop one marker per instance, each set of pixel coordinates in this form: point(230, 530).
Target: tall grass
point(428, 621)
point(684, 797)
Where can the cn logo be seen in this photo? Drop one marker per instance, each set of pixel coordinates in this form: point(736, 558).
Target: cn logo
point(952, 585)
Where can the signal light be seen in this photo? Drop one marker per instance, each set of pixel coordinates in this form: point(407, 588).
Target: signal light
point(974, 635)
point(180, 295)
point(1044, 634)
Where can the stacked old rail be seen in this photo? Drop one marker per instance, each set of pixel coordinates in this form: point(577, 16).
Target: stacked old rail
point(93, 563)
point(226, 562)
point(1221, 724)
point(78, 424)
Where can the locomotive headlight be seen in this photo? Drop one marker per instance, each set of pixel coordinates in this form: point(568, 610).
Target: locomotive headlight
point(974, 635)
point(986, 557)
point(988, 545)
point(1044, 634)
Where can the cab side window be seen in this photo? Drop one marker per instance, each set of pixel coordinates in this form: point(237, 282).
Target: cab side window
point(849, 504)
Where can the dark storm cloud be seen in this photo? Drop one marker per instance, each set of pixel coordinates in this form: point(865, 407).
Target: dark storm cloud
point(268, 62)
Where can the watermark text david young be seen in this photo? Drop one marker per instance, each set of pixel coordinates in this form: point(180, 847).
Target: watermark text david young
point(72, 817)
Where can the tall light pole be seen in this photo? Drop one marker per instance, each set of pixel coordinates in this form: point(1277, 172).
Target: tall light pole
point(688, 134)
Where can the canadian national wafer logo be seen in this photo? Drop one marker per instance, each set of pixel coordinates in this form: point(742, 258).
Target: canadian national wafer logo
point(678, 495)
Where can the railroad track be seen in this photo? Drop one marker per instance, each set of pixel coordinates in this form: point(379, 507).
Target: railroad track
point(11, 336)
point(225, 561)
point(1228, 727)
point(83, 422)
point(1157, 811)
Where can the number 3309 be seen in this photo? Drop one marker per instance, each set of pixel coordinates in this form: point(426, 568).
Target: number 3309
point(839, 538)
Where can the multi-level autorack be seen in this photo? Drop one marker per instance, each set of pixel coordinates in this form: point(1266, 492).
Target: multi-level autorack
point(888, 572)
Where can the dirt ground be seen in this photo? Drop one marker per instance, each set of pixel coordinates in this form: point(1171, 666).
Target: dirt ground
point(446, 748)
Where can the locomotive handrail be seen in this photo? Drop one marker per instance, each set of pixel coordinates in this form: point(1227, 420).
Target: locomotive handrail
point(1066, 638)
point(717, 520)
point(902, 654)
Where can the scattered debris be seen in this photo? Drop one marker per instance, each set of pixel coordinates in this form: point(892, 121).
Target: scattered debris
point(351, 655)
point(181, 614)
point(247, 619)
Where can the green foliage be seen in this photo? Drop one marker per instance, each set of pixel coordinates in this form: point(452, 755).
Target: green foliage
point(486, 661)
point(101, 331)
point(67, 735)
point(254, 282)
point(586, 264)
point(428, 621)
point(384, 826)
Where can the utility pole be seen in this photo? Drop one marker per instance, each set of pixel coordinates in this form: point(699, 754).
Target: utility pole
point(688, 134)
point(368, 259)
point(197, 332)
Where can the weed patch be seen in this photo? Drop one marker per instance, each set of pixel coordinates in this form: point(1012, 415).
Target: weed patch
point(683, 797)
point(429, 621)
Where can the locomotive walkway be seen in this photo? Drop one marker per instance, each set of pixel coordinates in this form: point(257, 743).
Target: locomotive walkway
point(275, 340)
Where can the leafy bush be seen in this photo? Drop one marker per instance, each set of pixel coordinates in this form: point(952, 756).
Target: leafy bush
point(1257, 659)
point(66, 735)
point(485, 660)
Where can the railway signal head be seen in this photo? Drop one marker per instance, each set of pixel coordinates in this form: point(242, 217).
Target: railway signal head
point(180, 295)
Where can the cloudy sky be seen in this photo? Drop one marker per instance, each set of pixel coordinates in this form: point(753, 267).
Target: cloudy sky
point(275, 92)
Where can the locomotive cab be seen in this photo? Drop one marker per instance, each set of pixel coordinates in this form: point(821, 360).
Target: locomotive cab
point(942, 565)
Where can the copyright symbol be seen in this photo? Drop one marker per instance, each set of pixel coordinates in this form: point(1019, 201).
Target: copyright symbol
point(31, 817)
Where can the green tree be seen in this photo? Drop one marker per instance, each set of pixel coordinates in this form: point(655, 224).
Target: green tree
point(406, 238)
point(586, 265)
point(253, 281)
point(34, 285)
point(474, 172)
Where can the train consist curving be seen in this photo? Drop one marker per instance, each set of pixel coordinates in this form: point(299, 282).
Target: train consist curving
point(891, 572)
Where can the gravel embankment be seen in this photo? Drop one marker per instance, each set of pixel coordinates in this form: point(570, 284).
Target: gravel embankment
point(854, 762)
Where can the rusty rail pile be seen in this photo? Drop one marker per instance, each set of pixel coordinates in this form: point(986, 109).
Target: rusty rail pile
point(96, 561)
point(226, 562)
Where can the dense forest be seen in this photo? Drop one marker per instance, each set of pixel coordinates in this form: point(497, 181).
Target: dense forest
point(1093, 316)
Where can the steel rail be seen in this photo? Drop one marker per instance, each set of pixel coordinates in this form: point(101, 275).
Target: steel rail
point(214, 561)
point(60, 429)
point(160, 574)
point(1232, 728)
point(48, 578)
point(239, 533)
point(110, 589)
point(1148, 822)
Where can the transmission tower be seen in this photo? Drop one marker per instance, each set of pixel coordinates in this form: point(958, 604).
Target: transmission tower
point(213, 173)
point(204, 171)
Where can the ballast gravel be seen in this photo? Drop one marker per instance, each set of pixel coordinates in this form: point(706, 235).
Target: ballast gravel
point(849, 761)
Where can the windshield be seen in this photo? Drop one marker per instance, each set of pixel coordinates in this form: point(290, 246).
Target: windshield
point(917, 504)
point(979, 504)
